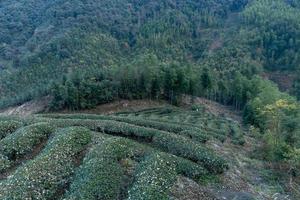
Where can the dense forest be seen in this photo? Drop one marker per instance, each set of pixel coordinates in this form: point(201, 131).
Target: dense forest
point(85, 53)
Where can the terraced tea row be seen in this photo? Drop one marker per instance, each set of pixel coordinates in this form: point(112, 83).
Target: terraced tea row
point(44, 176)
point(101, 157)
point(21, 142)
point(216, 126)
point(166, 141)
point(211, 128)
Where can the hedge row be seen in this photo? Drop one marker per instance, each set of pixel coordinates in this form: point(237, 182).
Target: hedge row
point(44, 176)
point(185, 148)
point(175, 144)
point(187, 131)
point(154, 178)
point(8, 127)
point(201, 134)
point(132, 120)
point(23, 141)
point(101, 175)
point(190, 169)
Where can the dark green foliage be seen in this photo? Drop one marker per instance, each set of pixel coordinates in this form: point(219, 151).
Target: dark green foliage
point(85, 53)
point(275, 29)
point(90, 52)
point(84, 93)
point(44, 176)
point(190, 169)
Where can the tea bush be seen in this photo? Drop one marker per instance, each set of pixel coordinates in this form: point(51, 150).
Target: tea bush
point(154, 178)
point(44, 176)
point(4, 163)
point(8, 127)
point(100, 176)
point(185, 148)
point(25, 139)
point(193, 133)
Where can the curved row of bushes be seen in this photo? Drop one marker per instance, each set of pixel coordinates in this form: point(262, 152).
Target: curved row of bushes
point(154, 178)
point(193, 133)
point(201, 134)
point(44, 176)
point(22, 141)
point(101, 174)
point(8, 127)
point(185, 148)
point(175, 144)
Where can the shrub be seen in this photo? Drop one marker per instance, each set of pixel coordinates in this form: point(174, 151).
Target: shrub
point(44, 176)
point(185, 148)
point(175, 144)
point(24, 140)
point(237, 135)
point(184, 130)
point(154, 178)
point(4, 163)
point(100, 176)
point(8, 127)
point(189, 169)
point(195, 135)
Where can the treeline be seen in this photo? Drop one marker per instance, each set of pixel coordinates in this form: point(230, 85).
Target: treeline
point(147, 76)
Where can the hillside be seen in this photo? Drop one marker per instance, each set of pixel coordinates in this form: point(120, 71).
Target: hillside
point(154, 153)
point(145, 99)
point(45, 43)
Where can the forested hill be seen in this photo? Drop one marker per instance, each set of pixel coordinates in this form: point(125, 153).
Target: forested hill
point(142, 49)
point(82, 53)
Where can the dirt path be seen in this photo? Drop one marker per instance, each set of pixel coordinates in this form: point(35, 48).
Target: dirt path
point(28, 108)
